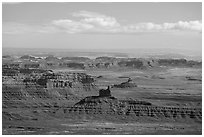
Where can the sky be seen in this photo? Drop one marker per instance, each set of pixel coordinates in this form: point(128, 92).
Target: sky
point(121, 25)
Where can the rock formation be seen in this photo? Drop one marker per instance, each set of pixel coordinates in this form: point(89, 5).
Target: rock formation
point(98, 63)
point(127, 84)
point(105, 93)
point(109, 106)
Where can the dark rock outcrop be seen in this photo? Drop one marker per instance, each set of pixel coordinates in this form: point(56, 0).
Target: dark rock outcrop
point(105, 92)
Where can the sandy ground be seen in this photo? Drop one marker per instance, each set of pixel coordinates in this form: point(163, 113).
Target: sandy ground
point(59, 126)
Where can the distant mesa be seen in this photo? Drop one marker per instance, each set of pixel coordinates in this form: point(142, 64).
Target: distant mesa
point(127, 84)
point(105, 58)
point(123, 77)
point(193, 78)
point(83, 59)
point(179, 62)
point(28, 57)
point(51, 58)
point(99, 76)
point(73, 65)
point(103, 62)
point(6, 57)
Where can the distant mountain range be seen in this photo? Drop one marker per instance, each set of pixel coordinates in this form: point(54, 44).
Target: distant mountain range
point(103, 62)
point(120, 53)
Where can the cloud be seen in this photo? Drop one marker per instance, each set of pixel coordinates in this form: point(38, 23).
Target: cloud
point(95, 22)
point(184, 25)
point(97, 19)
point(91, 22)
point(165, 27)
point(70, 26)
point(88, 22)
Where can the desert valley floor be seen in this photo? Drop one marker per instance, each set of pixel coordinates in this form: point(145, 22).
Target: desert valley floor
point(157, 100)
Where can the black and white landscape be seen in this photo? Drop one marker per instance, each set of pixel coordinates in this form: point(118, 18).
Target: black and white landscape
point(102, 68)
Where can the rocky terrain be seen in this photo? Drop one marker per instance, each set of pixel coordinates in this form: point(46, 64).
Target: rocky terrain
point(68, 95)
point(51, 62)
point(133, 110)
